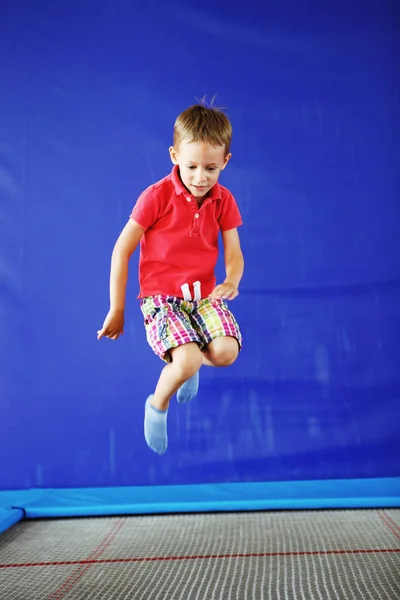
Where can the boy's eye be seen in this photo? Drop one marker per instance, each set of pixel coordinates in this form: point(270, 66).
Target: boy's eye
point(192, 167)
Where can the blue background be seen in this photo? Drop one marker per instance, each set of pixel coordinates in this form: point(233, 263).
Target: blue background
point(88, 93)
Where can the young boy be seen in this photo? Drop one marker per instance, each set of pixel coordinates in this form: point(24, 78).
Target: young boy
point(177, 222)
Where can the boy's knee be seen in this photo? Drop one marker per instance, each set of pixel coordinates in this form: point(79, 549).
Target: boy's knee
point(224, 358)
point(223, 351)
point(187, 360)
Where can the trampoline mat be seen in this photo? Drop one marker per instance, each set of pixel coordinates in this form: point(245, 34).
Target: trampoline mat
point(302, 555)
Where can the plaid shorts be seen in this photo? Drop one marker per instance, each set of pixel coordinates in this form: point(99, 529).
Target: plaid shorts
point(171, 322)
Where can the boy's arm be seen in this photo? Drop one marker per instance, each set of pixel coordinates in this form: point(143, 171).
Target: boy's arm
point(234, 266)
point(123, 249)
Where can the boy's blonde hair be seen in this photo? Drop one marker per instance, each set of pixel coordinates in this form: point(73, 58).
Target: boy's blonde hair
point(201, 123)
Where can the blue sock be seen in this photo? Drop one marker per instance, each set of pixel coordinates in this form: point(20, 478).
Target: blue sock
point(188, 390)
point(155, 427)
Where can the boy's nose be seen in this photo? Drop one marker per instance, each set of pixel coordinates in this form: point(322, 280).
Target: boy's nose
point(201, 177)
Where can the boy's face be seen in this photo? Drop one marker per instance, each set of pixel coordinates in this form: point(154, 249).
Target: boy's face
point(199, 165)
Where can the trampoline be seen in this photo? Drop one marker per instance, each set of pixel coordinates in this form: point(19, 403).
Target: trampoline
point(282, 478)
point(310, 555)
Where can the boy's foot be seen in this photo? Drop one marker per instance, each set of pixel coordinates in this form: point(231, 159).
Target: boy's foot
point(188, 390)
point(155, 427)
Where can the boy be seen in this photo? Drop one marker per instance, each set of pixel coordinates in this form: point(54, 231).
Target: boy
point(177, 222)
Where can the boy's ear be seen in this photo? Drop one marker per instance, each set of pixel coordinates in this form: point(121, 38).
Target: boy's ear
point(227, 159)
point(172, 153)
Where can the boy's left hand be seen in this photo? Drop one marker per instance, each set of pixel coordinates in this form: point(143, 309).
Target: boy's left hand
point(225, 291)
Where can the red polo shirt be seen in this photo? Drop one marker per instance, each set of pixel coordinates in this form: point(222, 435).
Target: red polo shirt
point(180, 244)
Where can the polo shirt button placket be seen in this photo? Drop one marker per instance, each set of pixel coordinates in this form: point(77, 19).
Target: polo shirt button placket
point(196, 224)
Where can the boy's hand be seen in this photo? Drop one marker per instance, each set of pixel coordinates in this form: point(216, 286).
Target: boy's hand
point(225, 291)
point(113, 325)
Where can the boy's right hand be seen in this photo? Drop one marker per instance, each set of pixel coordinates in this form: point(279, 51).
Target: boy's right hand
point(113, 325)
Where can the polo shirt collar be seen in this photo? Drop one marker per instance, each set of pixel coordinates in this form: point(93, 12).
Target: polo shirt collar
point(213, 194)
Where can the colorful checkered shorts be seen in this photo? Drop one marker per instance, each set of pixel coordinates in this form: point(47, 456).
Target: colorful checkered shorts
point(171, 322)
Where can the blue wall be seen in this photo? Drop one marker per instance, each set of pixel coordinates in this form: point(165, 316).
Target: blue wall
point(88, 95)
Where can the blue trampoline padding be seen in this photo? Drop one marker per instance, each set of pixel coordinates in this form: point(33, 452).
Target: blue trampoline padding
point(78, 502)
point(18, 498)
point(10, 516)
point(11, 506)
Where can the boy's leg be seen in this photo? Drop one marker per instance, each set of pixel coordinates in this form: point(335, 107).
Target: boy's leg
point(221, 352)
point(220, 332)
point(173, 338)
point(186, 361)
point(219, 329)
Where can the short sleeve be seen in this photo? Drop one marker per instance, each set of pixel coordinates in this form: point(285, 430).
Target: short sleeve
point(147, 208)
point(230, 216)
